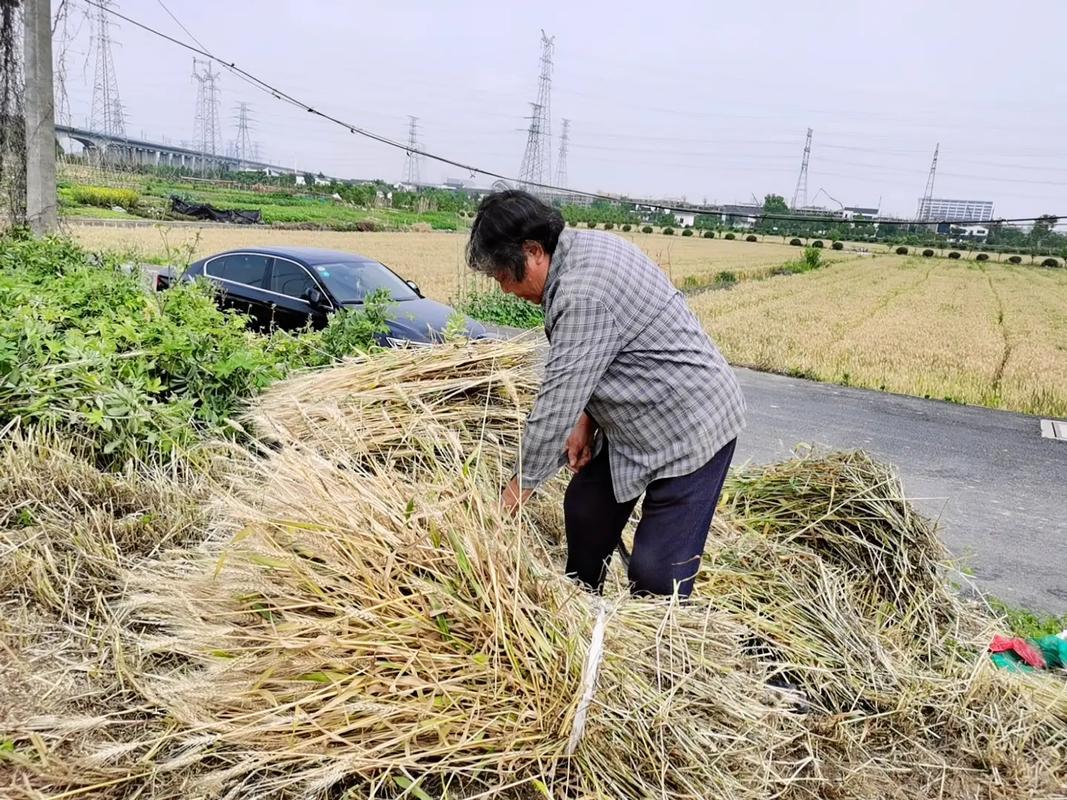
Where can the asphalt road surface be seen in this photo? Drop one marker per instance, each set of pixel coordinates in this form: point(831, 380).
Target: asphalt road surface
point(997, 487)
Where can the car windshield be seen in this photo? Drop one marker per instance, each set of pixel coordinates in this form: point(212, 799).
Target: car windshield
point(352, 281)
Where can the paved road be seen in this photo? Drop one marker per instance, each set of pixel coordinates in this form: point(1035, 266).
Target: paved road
point(998, 487)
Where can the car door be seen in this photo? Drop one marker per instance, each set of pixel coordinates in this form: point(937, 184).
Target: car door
point(242, 280)
point(290, 283)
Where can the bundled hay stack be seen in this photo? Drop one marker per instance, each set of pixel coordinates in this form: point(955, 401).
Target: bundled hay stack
point(362, 622)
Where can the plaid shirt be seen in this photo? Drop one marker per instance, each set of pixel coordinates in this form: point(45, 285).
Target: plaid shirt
point(625, 347)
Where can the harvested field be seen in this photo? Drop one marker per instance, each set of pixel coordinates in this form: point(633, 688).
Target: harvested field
point(992, 334)
point(357, 619)
point(433, 259)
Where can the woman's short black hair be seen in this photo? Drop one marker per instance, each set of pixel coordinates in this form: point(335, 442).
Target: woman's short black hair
point(504, 223)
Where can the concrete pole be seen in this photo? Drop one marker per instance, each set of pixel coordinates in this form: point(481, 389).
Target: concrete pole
point(40, 118)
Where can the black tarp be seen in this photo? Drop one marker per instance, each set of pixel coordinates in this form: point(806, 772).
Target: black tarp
point(209, 212)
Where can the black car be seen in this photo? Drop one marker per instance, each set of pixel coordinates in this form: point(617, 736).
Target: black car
point(288, 287)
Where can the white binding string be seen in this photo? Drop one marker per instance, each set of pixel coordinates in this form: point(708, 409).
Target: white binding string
point(589, 673)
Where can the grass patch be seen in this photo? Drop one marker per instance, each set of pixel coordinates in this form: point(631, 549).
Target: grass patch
point(1028, 624)
point(498, 308)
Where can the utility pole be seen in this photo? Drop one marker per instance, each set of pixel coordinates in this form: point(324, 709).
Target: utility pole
point(411, 162)
point(243, 146)
point(928, 192)
point(105, 85)
point(537, 159)
point(206, 125)
point(40, 118)
point(801, 192)
point(561, 162)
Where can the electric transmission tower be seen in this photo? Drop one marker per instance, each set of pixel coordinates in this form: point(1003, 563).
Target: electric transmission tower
point(206, 128)
point(561, 162)
point(928, 193)
point(801, 192)
point(105, 86)
point(410, 175)
point(62, 39)
point(537, 159)
point(243, 148)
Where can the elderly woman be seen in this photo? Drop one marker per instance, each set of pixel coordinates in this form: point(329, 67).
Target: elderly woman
point(635, 397)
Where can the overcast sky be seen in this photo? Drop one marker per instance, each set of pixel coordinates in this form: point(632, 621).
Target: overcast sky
point(702, 100)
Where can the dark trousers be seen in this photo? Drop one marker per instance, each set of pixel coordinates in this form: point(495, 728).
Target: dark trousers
point(675, 518)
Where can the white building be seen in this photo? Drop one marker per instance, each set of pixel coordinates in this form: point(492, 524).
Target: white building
point(685, 220)
point(938, 210)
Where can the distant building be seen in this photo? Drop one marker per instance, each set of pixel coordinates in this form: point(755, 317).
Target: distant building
point(970, 232)
point(685, 220)
point(851, 212)
point(955, 210)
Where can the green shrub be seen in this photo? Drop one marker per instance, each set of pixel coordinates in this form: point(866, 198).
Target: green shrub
point(726, 278)
point(627, 227)
point(901, 251)
point(647, 229)
point(982, 257)
point(795, 242)
point(1050, 262)
point(590, 224)
point(817, 243)
point(751, 238)
point(104, 196)
point(498, 308)
point(709, 234)
point(687, 232)
point(837, 245)
point(609, 225)
point(928, 253)
point(87, 351)
point(729, 236)
point(668, 231)
point(1015, 259)
point(954, 254)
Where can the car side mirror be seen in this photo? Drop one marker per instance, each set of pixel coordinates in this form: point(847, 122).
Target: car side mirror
point(414, 287)
point(314, 297)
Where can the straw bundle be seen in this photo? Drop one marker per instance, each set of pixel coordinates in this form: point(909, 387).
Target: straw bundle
point(360, 621)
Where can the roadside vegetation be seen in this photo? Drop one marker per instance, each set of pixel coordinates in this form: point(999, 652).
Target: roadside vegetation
point(87, 353)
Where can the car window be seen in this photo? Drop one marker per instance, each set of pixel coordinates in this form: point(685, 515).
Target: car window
point(352, 281)
point(247, 268)
point(290, 279)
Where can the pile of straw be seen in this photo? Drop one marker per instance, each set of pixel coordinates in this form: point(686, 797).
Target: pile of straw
point(360, 620)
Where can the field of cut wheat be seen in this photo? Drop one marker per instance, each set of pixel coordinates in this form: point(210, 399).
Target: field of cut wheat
point(993, 335)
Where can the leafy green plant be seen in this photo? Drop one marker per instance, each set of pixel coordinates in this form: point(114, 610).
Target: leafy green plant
point(1027, 624)
point(817, 243)
point(1015, 259)
point(668, 231)
point(498, 308)
point(837, 245)
point(1050, 262)
point(627, 227)
point(726, 278)
point(609, 225)
point(795, 242)
point(982, 257)
point(751, 238)
point(646, 229)
point(86, 350)
point(687, 232)
point(954, 254)
point(104, 196)
point(709, 234)
point(729, 236)
point(928, 253)
point(902, 251)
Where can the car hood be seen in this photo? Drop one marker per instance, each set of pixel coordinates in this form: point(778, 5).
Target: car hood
point(424, 320)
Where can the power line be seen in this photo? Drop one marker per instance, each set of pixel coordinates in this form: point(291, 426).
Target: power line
point(280, 94)
point(801, 192)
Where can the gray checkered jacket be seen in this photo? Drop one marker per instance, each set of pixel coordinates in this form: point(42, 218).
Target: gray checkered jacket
point(625, 347)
